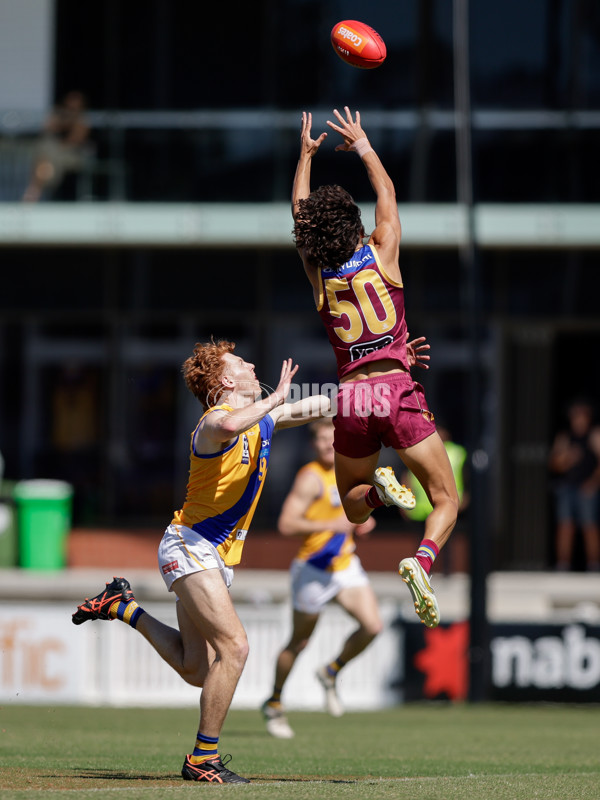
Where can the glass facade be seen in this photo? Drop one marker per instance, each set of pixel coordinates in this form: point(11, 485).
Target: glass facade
point(196, 104)
point(533, 64)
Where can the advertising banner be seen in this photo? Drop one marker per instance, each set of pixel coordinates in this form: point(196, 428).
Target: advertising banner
point(529, 662)
point(44, 658)
point(40, 659)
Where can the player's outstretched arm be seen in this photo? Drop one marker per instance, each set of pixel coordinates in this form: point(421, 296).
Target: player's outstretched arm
point(355, 140)
point(308, 148)
point(289, 415)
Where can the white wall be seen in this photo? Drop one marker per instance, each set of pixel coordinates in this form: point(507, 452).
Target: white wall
point(44, 658)
point(26, 45)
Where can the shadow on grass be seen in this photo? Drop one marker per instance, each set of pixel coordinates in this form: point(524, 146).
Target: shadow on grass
point(115, 775)
point(302, 779)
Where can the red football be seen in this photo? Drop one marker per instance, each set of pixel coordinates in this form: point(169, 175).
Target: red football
point(358, 44)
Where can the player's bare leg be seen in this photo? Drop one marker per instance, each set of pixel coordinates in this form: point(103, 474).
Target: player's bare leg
point(272, 709)
point(354, 478)
point(207, 613)
point(360, 602)
point(209, 649)
point(429, 463)
point(303, 627)
point(208, 606)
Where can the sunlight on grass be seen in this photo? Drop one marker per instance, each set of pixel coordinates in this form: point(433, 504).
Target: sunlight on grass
point(417, 751)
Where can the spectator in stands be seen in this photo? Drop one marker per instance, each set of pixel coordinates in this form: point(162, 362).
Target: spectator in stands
point(61, 147)
point(575, 461)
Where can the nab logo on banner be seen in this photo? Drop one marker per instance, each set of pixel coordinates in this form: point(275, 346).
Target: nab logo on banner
point(570, 660)
point(528, 662)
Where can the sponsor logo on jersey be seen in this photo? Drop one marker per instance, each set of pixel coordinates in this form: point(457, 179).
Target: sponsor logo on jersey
point(264, 448)
point(352, 265)
point(170, 567)
point(246, 450)
point(241, 535)
point(362, 349)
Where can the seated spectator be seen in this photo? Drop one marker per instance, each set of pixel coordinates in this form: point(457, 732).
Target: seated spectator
point(60, 149)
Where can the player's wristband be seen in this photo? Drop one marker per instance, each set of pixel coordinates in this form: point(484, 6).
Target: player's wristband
point(361, 146)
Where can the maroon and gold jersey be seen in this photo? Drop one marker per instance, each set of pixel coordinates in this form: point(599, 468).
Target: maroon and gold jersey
point(362, 309)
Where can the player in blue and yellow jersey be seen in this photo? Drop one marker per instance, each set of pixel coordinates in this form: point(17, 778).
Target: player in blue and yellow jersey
point(229, 456)
point(325, 568)
point(359, 294)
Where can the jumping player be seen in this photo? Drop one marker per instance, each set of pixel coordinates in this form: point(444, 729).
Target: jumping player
point(359, 294)
point(229, 456)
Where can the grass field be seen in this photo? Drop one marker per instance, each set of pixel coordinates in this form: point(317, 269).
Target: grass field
point(422, 752)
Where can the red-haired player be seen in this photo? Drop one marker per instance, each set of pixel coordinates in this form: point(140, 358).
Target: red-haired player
point(229, 457)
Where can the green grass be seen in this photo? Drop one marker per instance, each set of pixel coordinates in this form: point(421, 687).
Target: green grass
point(421, 752)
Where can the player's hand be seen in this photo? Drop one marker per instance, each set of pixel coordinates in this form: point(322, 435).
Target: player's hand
point(365, 527)
point(350, 129)
point(341, 524)
point(287, 373)
point(308, 145)
point(416, 352)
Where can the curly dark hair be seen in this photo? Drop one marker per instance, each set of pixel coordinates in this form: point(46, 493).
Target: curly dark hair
point(327, 226)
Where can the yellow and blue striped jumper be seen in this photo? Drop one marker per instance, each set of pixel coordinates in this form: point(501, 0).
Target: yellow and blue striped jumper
point(224, 488)
point(329, 549)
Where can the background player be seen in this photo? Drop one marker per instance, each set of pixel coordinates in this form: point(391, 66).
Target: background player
point(326, 568)
point(359, 294)
point(229, 456)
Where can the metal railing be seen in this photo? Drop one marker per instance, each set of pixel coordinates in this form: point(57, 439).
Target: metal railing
point(19, 123)
point(121, 152)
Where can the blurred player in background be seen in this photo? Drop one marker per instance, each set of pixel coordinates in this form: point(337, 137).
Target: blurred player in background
point(359, 294)
point(326, 568)
point(229, 456)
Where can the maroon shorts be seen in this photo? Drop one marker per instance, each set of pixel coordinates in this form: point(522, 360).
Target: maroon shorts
point(388, 410)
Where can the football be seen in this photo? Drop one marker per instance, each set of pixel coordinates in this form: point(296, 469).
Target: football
point(358, 44)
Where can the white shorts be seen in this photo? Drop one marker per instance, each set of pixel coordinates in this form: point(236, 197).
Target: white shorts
point(313, 588)
point(182, 551)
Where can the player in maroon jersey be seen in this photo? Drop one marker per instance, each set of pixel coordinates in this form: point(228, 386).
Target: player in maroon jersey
point(359, 295)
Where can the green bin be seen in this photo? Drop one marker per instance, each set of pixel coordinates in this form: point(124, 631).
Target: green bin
point(8, 526)
point(44, 516)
